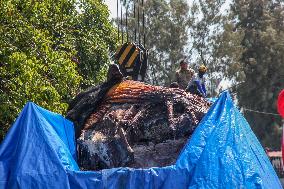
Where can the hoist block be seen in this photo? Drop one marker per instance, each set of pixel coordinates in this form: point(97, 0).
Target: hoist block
point(132, 59)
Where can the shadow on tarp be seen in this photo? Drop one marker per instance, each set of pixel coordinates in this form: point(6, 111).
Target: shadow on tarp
point(39, 152)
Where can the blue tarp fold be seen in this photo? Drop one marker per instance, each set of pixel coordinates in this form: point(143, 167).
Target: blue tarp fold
point(39, 152)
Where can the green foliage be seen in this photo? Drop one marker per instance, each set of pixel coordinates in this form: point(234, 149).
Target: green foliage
point(95, 39)
point(262, 65)
point(253, 42)
point(41, 45)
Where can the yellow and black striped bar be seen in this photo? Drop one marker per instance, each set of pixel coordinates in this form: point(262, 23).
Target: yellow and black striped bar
point(127, 54)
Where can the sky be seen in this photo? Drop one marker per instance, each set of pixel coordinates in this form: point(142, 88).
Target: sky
point(112, 7)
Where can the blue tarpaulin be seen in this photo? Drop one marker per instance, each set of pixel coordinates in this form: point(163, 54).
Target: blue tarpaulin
point(39, 152)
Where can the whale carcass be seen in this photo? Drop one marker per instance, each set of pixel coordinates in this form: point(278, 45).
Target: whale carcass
point(133, 124)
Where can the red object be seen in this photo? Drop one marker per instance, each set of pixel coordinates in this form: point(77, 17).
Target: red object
point(280, 103)
point(280, 106)
point(282, 146)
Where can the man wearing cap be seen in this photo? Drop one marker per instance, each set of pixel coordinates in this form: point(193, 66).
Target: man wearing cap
point(184, 74)
point(197, 84)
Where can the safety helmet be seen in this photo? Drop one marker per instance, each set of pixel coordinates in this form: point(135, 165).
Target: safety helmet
point(202, 68)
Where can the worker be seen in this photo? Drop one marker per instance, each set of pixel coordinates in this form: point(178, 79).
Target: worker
point(197, 83)
point(184, 74)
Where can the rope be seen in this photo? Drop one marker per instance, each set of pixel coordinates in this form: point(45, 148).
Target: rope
point(260, 112)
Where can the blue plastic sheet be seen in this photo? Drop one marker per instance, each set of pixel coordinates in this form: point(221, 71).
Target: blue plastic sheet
point(39, 152)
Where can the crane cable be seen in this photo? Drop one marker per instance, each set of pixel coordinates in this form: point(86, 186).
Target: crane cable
point(117, 20)
point(138, 21)
point(121, 22)
point(134, 15)
point(139, 31)
point(143, 22)
point(126, 23)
